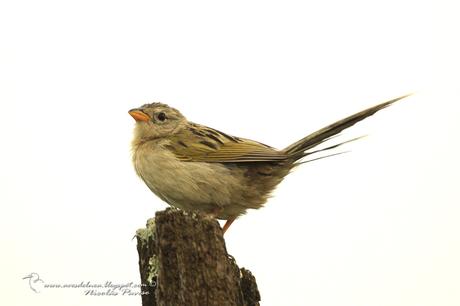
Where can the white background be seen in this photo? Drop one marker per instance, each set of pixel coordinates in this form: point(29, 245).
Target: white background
point(377, 226)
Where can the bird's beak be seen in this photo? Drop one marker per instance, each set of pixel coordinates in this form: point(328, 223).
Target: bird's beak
point(139, 115)
point(28, 276)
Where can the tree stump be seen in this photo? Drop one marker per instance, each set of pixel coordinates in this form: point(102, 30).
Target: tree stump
point(183, 261)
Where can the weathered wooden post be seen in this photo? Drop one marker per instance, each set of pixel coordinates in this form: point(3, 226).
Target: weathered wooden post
point(183, 261)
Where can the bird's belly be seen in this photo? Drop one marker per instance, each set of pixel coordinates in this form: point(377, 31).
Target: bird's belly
point(208, 187)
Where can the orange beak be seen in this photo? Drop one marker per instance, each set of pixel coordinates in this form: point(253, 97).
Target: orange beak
point(139, 115)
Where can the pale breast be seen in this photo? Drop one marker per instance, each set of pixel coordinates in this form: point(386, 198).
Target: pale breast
point(187, 185)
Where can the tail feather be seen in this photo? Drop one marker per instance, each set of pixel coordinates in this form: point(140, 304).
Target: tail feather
point(332, 147)
point(321, 157)
point(300, 155)
point(298, 149)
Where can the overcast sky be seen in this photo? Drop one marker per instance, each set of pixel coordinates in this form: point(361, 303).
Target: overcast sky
point(377, 226)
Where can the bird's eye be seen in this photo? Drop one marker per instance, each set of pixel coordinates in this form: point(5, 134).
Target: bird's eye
point(161, 116)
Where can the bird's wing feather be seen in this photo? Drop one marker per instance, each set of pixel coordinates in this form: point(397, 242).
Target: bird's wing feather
point(198, 143)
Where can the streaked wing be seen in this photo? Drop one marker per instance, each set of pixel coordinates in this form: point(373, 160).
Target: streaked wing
point(203, 144)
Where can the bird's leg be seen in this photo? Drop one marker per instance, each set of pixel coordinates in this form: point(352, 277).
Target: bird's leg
point(227, 224)
point(216, 212)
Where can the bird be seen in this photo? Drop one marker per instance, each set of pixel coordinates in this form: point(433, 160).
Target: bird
point(200, 169)
point(35, 282)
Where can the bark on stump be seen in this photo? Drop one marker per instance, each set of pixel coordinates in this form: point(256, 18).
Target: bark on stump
point(183, 261)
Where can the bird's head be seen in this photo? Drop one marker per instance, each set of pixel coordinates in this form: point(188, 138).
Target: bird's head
point(156, 120)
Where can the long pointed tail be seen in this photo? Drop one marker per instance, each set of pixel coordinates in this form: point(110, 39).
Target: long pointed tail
point(300, 148)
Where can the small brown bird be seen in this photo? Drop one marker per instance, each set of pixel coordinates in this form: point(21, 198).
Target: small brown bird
point(197, 168)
